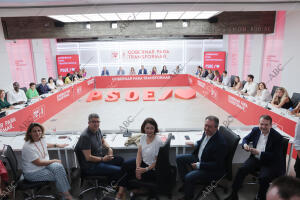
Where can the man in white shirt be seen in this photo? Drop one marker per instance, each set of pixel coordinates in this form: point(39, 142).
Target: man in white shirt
point(266, 156)
point(226, 79)
point(250, 88)
point(16, 96)
point(207, 161)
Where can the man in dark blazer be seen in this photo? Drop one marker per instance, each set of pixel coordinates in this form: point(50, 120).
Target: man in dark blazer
point(142, 70)
point(266, 156)
point(207, 161)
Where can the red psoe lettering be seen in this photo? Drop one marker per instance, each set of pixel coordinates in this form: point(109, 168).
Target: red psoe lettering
point(132, 95)
point(94, 95)
point(167, 94)
point(112, 96)
point(149, 95)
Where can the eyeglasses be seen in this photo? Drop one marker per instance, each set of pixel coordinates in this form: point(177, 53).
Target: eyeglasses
point(95, 121)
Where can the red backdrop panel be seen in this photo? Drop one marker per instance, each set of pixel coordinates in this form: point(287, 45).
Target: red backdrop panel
point(215, 60)
point(67, 64)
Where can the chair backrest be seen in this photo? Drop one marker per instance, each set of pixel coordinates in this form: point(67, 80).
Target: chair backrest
point(11, 158)
point(295, 99)
point(232, 77)
point(243, 83)
point(163, 166)
point(273, 90)
point(232, 141)
point(284, 145)
point(24, 89)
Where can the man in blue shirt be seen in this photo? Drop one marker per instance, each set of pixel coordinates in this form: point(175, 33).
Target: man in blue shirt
point(43, 87)
point(143, 70)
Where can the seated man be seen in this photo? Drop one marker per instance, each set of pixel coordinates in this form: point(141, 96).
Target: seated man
point(142, 70)
point(284, 188)
point(120, 71)
point(265, 156)
point(43, 87)
point(105, 72)
point(250, 88)
point(91, 157)
point(16, 96)
point(207, 160)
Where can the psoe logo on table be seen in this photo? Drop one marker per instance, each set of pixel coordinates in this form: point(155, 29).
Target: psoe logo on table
point(39, 112)
point(201, 84)
point(63, 95)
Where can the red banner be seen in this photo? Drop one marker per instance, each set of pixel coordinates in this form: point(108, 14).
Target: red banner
point(43, 110)
point(67, 64)
point(215, 60)
point(142, 81)
point(241, 109)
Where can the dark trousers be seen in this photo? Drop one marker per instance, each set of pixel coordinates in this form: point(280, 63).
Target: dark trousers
point(111, 168)
point(266, 175)
point(129, 167)
point(191, 177)
point(297, 167)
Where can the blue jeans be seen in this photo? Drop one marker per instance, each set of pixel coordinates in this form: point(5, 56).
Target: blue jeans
point(190, 177)
point(111, 168)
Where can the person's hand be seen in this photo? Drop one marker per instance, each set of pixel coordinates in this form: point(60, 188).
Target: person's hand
point(139, 171)
point(56, 160)
point(194, 165)
point(107, 158)
point(254, 151)
point(246, 147)
point(190, 143)
point(61, 145)
point(138, 175)
point(110, 151)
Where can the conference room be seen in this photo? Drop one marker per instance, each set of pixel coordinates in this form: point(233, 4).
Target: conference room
point(171, 76)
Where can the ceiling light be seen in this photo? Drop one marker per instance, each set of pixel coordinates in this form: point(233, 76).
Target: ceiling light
point(126, 16)
point(88, 25)
point(158, 15)
point(158, 24)
point(114, 25)
point(207, 14)
point(174, 15)
point(142, 16)
point(185, 24)
point(110, 16)
point(62, 18)
point(189, 15)
point(94, 17)
point(78, 18)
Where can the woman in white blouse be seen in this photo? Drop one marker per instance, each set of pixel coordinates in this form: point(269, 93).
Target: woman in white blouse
point(143, 166)
point(262, 93)
point(51, 83)
point(36, 164)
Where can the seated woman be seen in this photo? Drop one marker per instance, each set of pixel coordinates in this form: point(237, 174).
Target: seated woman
point(143, 166)
point(210, 75)
point(281, 99)
point(51, 83)
point(262, 93)
point(36, 164)
point(132, 71)
point(60, 81)
point(4, 105)
point(296, 111)
point(154, 71)
point(164, 70)
point(217, 77)
point(199, 71)
point(32, 92)
point(237, 85)
point(68, 79)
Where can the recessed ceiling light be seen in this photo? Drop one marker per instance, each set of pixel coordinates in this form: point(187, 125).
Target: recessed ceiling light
point(62, 18)
point(158, 15)
point(174, 15)
point(158, 24)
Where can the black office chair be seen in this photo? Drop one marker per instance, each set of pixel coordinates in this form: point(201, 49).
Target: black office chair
point(243, 83)
point(100, 182)
point(232, 141)
point(232, 77)
point(24, 89)
point(284, 145)
point(165, 175)
point(274, 90)
point(34, 188)
point(295, 99)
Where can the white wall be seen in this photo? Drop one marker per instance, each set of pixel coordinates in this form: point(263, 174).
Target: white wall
point(39, 60)
point(6, 77)
point(291, 53)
